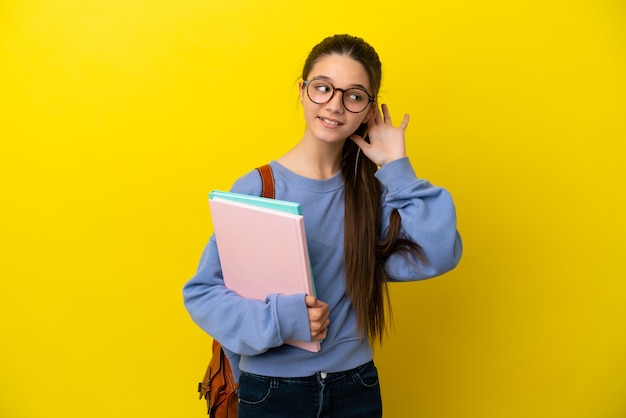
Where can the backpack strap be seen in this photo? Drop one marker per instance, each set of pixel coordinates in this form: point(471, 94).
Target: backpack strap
point(267, 179)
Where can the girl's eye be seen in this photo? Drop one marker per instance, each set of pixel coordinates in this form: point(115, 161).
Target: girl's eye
point(323, 88)
point(354, 96)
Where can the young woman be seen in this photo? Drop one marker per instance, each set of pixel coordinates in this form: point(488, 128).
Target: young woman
point(368, 220)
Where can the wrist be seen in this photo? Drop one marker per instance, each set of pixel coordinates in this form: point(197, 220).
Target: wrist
point(392, 159)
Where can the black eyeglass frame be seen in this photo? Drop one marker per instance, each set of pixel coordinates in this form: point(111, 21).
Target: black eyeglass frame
point(370, 99)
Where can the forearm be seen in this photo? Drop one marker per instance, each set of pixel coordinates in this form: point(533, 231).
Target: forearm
point(243, 326)
point(428, 218)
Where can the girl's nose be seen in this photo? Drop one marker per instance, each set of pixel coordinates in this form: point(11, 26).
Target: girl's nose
point(336, 101)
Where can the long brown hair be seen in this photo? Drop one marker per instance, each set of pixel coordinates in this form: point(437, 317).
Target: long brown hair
point(365, 252)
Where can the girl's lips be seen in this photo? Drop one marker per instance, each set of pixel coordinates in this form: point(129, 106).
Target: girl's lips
point(330, 123)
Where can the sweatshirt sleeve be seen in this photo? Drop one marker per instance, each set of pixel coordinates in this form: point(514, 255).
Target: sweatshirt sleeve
point(243, 326)
point(428, 218)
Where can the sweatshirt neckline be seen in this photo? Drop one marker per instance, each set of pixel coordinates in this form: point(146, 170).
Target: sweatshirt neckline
point(314, 185)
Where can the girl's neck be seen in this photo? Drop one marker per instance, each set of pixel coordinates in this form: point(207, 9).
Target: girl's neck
point(314, 160)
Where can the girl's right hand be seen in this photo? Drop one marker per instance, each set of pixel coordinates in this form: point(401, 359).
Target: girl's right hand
point(318, 317)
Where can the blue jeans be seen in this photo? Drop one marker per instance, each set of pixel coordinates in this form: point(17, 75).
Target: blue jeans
point(353, 393)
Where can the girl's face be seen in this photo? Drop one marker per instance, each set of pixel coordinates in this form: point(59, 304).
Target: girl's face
point(331, 122)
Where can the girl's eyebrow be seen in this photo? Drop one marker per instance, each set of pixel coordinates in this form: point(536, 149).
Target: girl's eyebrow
point(325, 78)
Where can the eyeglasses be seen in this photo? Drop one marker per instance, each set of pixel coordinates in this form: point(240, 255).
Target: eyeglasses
point(354, 99)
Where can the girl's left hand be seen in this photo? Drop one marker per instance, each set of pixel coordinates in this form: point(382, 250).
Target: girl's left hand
point(387, 142)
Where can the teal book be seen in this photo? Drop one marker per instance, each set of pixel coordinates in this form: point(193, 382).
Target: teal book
point(263, 202)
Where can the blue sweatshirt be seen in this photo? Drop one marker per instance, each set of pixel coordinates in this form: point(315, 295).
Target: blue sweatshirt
point(252, 332)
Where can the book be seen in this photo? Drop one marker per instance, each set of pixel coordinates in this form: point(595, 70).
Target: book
point(263, 202)
point(262, 248)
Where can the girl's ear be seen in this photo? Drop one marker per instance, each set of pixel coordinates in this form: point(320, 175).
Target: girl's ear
point(301, 91)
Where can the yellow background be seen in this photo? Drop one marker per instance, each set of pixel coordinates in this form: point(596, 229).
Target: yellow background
point(117, 117)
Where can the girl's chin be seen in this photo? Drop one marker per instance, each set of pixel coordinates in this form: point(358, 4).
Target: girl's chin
point(330, 138)
point(331, 135)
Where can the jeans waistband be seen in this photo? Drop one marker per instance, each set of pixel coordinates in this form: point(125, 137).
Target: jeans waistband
point(314, 379)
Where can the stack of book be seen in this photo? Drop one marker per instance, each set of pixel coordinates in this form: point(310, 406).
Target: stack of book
point(262, 248)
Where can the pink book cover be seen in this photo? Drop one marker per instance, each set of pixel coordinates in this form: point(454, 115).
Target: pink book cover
point(262, 251)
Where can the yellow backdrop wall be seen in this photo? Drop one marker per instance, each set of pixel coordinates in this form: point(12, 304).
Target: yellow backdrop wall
point(117, 117)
